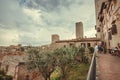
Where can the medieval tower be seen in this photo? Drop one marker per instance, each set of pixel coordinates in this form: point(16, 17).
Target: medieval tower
point(79, 30)
point(55, 38)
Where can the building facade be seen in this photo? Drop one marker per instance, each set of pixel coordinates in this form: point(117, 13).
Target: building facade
point(79, 41)
point(108, 22)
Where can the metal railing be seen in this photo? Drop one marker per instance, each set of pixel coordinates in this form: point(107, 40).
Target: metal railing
point(92, 69)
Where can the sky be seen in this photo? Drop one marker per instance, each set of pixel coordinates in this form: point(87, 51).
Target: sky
point(32, 22)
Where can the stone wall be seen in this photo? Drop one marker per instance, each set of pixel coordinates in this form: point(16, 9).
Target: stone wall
point(107, 15)
point(77, 44)
point(24, 73)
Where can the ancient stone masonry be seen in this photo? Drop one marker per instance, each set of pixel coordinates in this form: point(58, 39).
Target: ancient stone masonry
point(108, 21)
point(55, 37)
point(10, 56)
point(79, 30)
point(25, 74)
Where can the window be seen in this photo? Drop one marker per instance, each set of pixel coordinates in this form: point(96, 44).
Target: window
point(64, 46)
point(88, 45)
point(83, 45)
point(98, 29)
point(72, 44)
point(114, 29)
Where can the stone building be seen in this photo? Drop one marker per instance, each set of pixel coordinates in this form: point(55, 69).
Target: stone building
point(108, 22)
point(79, 30)
point(10, 64)
point(80, 40)
point(55, 38)
point(15, 66)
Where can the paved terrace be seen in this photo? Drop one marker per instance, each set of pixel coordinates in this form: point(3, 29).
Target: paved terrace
point(109, 67)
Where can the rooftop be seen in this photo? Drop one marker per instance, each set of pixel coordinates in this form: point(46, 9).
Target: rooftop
point(79, 40)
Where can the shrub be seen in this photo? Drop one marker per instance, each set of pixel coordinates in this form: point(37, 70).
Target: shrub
point(91, 49)
point(57, 78)
point(81, 50)
point(1, 77)
point(2, 72)
point(8, 77)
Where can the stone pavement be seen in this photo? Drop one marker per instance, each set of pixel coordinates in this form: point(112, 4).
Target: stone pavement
point(109, 67)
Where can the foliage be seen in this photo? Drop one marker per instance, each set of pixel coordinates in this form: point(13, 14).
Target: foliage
point(56, 75)
point(44, 62)
point(81, 52)
point(81, 49)
point(78, 72)
point(3, 75)
point(56, 78)
point(8, 77)
point(91, 49)
point(65, 58)
point(47, 62)
point(2, 72)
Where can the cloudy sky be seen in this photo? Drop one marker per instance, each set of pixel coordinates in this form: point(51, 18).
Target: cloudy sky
point(32, 22)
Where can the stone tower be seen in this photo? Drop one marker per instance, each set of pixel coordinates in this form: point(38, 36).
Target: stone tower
point(55, 38)
point(79, 30)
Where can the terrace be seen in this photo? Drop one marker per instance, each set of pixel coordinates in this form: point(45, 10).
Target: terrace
point(104, 67)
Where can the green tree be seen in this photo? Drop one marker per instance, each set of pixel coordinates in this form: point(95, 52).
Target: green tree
point(81, 52)
point(64, 59)
point(44, 62)
point(91, 49)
